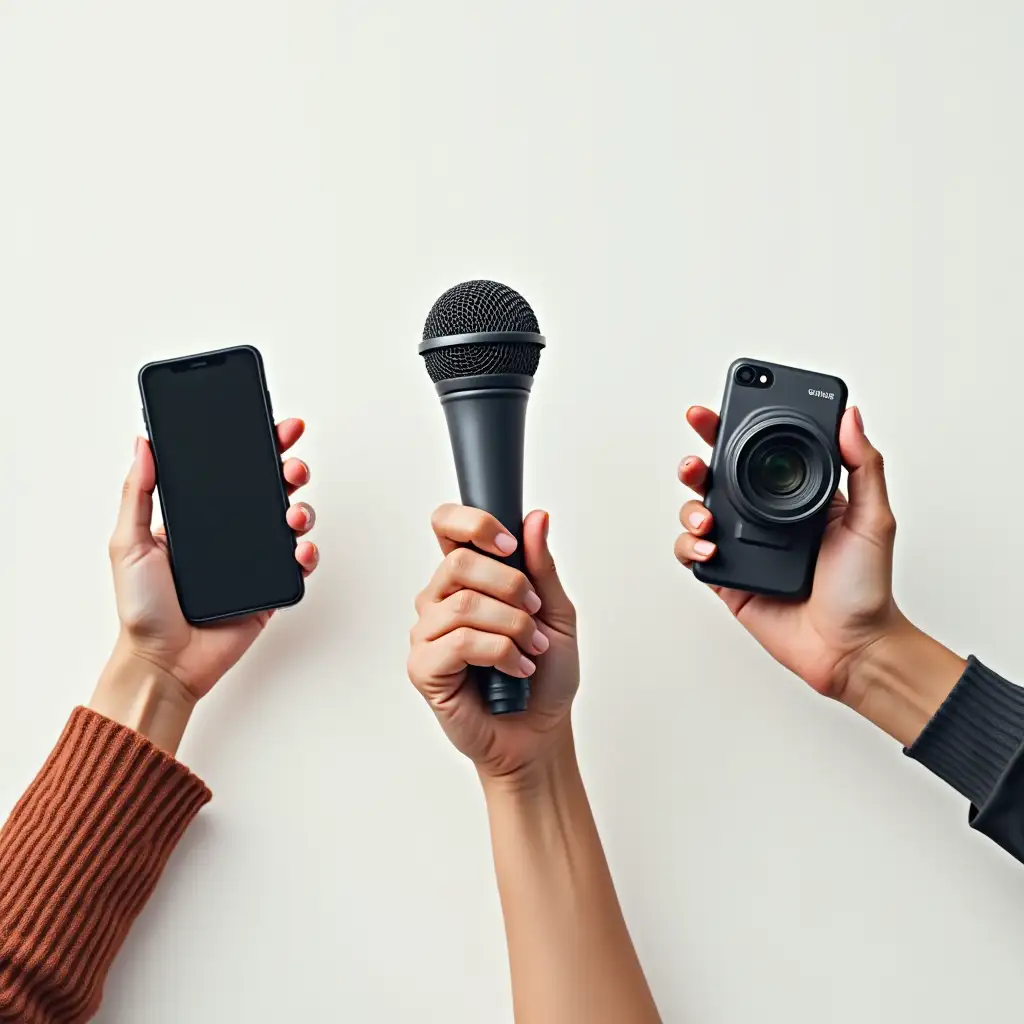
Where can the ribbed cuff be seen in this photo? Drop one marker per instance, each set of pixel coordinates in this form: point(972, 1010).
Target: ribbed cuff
point(974, 735)
point(79, 857)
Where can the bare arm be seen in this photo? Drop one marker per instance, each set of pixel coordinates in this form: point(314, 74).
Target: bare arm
point(571, 956)
point(570, 952)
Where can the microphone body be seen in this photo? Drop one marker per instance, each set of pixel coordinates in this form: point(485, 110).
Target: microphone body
point(487, 427)
point(483, 379)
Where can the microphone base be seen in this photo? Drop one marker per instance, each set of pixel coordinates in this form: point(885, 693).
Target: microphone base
point(503, 695)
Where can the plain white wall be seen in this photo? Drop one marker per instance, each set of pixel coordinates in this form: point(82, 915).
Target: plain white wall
point(671, 185)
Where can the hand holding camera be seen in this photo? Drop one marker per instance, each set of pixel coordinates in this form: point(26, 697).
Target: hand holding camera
point(850, 605)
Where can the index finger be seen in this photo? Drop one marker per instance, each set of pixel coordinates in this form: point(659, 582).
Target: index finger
point(455, 525)
point(704, 421)
point(288, 432)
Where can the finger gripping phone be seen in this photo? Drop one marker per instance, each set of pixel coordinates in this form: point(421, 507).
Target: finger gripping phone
point(220, 482)
point(774, 470)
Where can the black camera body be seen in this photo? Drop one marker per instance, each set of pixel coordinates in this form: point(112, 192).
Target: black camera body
point(773, 472)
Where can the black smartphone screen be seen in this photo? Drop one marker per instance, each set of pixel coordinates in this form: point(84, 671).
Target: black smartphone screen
point(220, 484)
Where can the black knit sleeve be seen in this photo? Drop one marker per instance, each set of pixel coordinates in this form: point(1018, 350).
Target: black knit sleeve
point(975, 743)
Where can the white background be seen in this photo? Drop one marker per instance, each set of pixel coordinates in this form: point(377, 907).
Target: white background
point(671, 185)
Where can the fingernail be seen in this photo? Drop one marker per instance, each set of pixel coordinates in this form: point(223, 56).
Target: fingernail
point(505, 543)
point(685, 465)
point(547, 526)
point(526, 666)
point(860, 420)
point(531, 603)
point(703, 547)
point(697, 519)
point(307, 516)
point(539, 642)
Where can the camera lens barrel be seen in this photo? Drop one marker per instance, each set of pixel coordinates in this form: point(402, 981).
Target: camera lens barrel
point(781, 468)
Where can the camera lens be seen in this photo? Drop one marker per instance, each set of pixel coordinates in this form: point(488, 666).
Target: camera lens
point(781, 470)
point(780, 467)
point(745, 375)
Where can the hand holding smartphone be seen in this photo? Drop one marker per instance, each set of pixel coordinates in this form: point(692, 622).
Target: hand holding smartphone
point(219, 480)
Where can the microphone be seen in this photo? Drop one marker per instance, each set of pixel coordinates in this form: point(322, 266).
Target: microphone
point(481, 345)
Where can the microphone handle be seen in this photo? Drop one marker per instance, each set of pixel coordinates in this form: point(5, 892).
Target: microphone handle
point(487, 426)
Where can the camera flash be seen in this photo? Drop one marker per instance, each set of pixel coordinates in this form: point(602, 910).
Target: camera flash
point(764, 379)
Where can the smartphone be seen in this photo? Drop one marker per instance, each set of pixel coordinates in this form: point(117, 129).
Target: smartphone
point(773, 472)
point(221, 485)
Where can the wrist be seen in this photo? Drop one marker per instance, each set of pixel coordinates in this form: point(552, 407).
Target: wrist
point(900, 680)
point(542, 808)
point(541, 777)
point(138, 694)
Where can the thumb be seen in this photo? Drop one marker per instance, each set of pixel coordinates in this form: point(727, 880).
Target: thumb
point(556, 608)
point(869, 512)
point(135, 518)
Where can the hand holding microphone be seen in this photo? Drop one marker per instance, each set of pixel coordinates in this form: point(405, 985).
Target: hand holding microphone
point(479, 612)
point(481, 345)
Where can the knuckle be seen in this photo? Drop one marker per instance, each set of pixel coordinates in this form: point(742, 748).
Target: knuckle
point(463, 602)
point(458, 561)
point(503, 647)
point(460, 640)
point(520, 624)
point(887, 523)
point(514, 584)
point(483, 528)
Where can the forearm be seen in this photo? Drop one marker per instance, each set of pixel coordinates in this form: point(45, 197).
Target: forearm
point(900, 681)
point(571, 956)
point(958, 718)
point(85, 846)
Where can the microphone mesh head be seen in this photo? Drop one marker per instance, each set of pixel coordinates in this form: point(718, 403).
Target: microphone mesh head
point(475, 307)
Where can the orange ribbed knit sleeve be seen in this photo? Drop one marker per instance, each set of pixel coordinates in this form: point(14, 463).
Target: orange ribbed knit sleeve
point(79, 856)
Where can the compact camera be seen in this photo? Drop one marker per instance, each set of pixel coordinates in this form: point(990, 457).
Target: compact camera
point(773, 472)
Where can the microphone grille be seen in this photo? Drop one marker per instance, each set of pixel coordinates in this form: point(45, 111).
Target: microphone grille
point(474, 307)
point(471, 360)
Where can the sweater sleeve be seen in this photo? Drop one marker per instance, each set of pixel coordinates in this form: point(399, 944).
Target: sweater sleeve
point(975, 743)
point(79, 856)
